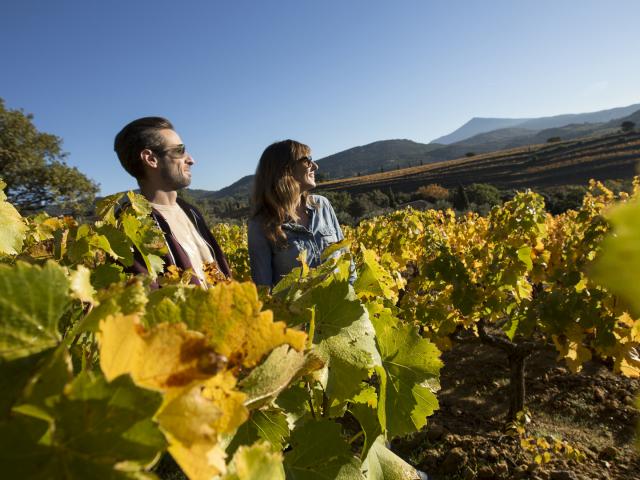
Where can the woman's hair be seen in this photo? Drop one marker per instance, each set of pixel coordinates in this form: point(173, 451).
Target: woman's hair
point(275, 192)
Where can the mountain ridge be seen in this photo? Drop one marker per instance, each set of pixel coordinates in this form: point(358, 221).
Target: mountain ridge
point(479, 125)
point(386, 155)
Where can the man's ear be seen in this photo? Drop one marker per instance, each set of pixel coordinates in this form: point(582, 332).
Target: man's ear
point(149, 159)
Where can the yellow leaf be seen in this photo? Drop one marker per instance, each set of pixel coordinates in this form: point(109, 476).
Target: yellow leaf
point(220, 391)
point(199, 462)
point(164, 357)
point(229, 315)
point(571, 350)
point(194, 419)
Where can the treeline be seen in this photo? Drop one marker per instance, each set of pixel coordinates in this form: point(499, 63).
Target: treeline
point(352, 208)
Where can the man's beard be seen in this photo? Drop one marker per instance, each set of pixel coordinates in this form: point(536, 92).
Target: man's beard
point(174, 178)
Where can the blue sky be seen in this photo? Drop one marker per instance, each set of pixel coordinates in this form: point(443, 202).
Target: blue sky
point(234, 76)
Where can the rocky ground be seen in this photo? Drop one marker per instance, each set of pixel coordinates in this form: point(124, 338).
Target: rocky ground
point(592, 411)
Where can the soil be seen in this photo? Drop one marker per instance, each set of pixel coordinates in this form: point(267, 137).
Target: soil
point(592, 411)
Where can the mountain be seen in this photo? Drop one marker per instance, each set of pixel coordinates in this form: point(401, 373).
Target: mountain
point(477, 126)
point(376, 156)
point(573, 162)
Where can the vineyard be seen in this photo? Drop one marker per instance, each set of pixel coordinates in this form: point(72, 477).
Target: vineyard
point(560, 163)
point(105, 375)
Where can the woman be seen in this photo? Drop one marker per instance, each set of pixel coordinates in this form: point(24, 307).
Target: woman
point(286, 219)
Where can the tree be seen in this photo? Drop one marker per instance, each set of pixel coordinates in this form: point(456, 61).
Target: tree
point(33, 166)
point(628, 126)
point(478, 194)
point(433, 192)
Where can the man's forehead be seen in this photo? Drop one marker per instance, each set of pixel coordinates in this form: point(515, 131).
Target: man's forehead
point(171, 137)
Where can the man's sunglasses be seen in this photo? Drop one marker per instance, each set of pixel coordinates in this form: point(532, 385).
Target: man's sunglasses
point(179, 149)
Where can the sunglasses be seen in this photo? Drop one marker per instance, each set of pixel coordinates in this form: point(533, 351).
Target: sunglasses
point(179, 149)
point(308, 162)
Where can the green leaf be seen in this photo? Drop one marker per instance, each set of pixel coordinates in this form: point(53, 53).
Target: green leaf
point(96, 429)
point(143, 233)
point(32, 300)
point(105, 208)
point(119, 244)
point(45, 386)
point(106, 274)
point(382, 464)
point(373, 280)
point(367, 417)
point(281, 367)
point(618, 264)
point(524, 254)
point(257, 462)
point(14, 376)
point(139, 203)
point(409, 376)
point(12, 226)
point(343, 338)
point(268, 425)
point(295, 403)
point(119, 299)
point(319, 453)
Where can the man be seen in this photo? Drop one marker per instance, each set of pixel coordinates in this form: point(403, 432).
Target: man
point(152, 152)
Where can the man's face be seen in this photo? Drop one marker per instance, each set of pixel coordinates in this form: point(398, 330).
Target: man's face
point(174, 163)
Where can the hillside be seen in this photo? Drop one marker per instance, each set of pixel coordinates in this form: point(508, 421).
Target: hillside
point(562, 163)
point(477, 126)
point(385, 155)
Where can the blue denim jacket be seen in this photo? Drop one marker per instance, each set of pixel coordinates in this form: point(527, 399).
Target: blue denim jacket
point(269, 264)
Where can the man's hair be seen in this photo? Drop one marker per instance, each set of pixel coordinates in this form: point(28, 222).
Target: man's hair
point(135, 137)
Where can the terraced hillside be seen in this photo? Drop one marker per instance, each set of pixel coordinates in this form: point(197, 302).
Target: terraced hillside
point(562, 163)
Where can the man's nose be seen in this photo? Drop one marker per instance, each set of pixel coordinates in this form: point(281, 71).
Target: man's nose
point(314, 166)
point(190, 159)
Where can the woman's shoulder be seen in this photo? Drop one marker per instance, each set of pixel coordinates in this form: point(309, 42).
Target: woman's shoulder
point(255, 221)
point(320, 200)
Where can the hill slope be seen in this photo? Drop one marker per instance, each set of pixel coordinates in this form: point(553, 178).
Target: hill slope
point(385, 154)
point(571, 162)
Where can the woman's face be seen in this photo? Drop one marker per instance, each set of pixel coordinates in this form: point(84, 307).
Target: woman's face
point(304, 173)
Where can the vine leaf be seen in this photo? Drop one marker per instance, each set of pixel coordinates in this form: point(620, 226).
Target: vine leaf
point(12, 226)
point(408, 376)
point(618, 263)
point(32, 300)
point(255, 462)
point(343, 338)
point(373, 280)
point(94, 429)
point(283, 365)
point(319, 452)
point(382, 464)
point(230, 316)
point(165, 357)
point(269, 425)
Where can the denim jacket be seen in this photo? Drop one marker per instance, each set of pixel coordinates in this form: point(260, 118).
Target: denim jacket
point(269, 264)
